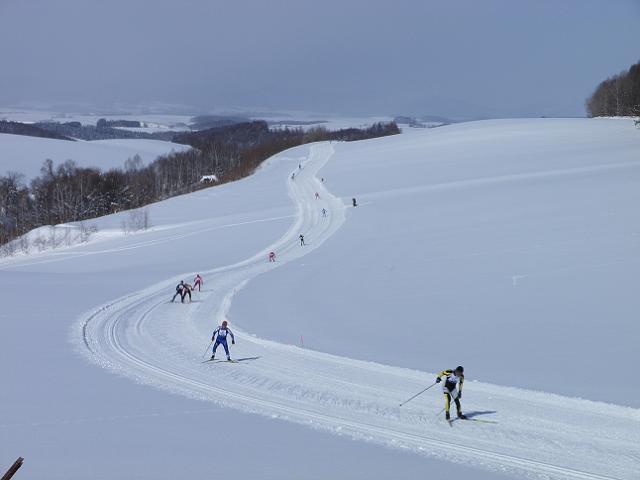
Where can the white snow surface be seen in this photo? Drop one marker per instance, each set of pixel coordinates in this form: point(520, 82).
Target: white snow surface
point(25, 155)
point(512, 246)
point(460, 231)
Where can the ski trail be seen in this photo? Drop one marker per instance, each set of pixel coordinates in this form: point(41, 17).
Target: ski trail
point(539, 435)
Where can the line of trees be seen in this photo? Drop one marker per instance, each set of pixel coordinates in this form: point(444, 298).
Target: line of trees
point(106, 129)
point(68, 193)
point(26, 129)
point(617, 96)
point(102, 132)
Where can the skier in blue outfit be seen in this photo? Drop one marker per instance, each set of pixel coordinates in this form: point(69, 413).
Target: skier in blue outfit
point(221, 339)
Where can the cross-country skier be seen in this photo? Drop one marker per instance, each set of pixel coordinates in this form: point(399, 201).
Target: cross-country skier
point(317, 196)
point(197, 282)
point(453, 381)
point(293, 176)
point(324, 212)
point(302, 240)
point(221, 339)
point(272, 256)
point(186, 290)
point(179, 288)
point(355, 204)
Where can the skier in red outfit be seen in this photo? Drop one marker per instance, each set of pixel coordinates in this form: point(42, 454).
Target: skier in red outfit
point(197, 282)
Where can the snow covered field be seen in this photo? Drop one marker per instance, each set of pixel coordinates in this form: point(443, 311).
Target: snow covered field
point(508, 246)
point(26, 155)
point(158, 122)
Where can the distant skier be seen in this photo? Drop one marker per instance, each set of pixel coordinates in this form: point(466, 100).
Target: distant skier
point(302, 244)
point(272, 256)
point(186, 290)
point(299, 166)
point(355, 204)
point(293, 176)
point(324, 212)
point(220, 337)
point(453, 381)
point(197, 282)
point(179, 289)
point(317, 196)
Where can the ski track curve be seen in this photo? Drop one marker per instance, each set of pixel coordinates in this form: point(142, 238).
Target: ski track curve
point(538, 435)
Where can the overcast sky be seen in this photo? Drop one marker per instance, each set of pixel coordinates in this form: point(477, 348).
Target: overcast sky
point(447, 57)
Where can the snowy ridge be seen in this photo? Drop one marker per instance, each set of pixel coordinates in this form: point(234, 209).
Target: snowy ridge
point(539, 435)
point(26, 155)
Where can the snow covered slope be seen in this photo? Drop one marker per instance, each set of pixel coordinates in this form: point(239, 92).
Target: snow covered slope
point(511, 247)
point(26, 155)
point(451, 188)
point(73, 421)
point(139, 337)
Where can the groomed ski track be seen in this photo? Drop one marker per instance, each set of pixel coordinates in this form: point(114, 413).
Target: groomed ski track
point(538, 435)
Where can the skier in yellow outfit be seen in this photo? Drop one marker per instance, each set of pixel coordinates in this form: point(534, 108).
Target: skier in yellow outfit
point(452, 389)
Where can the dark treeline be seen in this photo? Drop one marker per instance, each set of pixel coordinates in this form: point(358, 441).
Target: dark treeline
point(68, 193)
point(618, 96)
point(111, 129)
point(202, 122)
point(102, 132)
point(106, 129)
point(103, 122)
point(30, 130)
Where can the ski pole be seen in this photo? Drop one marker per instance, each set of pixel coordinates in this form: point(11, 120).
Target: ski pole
point(443, 408)
point(419, 393)
point(208, 347)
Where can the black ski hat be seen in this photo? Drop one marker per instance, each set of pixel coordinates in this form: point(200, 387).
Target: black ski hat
point(459, 368)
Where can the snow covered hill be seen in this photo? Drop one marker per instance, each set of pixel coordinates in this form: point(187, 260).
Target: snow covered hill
point(458, 230)
point(27, 154)
point(512, 246)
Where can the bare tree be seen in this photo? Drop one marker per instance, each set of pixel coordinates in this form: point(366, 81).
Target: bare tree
point(138, 219)
point(618, 95)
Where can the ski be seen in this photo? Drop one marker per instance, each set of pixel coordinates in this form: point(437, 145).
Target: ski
point(237, 360)
point(471, 420)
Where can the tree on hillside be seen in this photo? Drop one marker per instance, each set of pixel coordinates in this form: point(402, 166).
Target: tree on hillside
point(69, 193)
point(617, 96)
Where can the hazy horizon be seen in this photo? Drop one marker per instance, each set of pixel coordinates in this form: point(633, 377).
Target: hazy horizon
point(495, 58)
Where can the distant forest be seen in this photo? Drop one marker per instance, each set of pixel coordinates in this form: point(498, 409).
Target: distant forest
point(68, 193)
point(617, 96)
point(103, 130)
point(30, 130)
point(112, 129)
